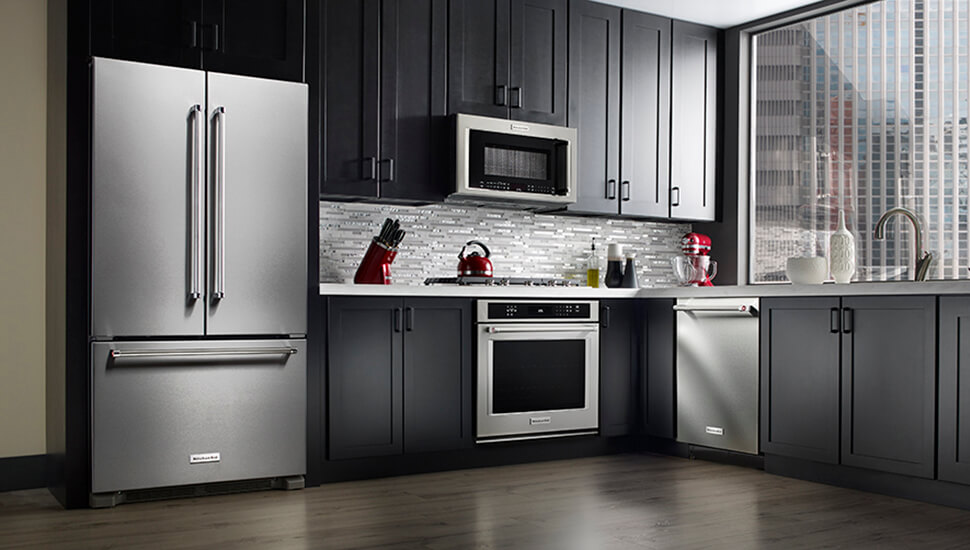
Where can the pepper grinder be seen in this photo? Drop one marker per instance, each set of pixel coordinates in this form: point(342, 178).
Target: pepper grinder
point(630, 273)
point(614, 266)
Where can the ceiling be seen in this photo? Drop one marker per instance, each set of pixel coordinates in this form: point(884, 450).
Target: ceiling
point(716, 13)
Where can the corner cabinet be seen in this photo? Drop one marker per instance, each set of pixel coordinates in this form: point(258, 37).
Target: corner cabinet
point(507, 59)
point(382, 71)
point(262, 38)
point(653, 74)
point(954, 407)
point(618, 373)
point(399, 376)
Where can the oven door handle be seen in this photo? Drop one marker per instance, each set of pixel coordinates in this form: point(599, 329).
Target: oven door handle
point(564, 328)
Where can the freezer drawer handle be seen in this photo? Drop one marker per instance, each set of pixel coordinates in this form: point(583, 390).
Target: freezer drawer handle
point(742, 309)
point(148, 353)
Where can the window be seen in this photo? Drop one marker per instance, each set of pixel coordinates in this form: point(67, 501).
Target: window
point(849, 118)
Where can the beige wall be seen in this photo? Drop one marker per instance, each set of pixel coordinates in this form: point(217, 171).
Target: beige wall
point(23, 158)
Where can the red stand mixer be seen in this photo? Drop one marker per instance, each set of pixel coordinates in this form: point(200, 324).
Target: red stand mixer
point(695, 267)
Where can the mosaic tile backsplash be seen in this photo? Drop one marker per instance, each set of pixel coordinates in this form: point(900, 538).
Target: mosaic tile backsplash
point(523, 244)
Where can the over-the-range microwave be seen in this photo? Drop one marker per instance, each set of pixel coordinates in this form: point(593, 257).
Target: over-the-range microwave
point(511, 162)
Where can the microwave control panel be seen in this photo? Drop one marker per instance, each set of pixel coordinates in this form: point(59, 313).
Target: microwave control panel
point(539, 310)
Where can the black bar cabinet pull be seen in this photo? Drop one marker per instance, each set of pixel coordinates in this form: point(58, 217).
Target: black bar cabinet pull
point(397, 319)
point(371, 163)
point(610, 189)
point(846, 320)
point(625, 190)
point(834, 321)
point(390, 169)
point(501, 94)
point(409, 319)
point(673, 201)
point(516, 102)
point(605, 317)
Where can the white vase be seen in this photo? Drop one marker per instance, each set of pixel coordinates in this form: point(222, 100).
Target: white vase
point(842, 252)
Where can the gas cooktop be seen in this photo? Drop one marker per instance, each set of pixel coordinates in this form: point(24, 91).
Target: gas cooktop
point(500, 281)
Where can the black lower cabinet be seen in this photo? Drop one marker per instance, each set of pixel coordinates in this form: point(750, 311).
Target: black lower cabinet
point(657, 390)
point(954, 407)
point(618, 361)
point(398, 376)
point(889, 383)
point(800, 378)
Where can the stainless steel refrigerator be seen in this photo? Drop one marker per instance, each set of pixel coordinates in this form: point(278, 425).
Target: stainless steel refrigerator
point(198, 278)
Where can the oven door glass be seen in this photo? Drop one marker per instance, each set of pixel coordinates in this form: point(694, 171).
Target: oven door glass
point(538, 375)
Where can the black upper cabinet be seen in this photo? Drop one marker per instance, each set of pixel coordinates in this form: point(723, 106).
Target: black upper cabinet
point(507, 59)
point(255, 37)
point(954, 407)
point(618, 372)
point(383, 74)
point(594, 104)
point(630, 66)
point(800, 377)
point(693, 135)
point(251, 37)
point(165, 32)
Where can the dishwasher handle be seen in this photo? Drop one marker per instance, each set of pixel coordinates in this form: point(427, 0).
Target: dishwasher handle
point(744, 309)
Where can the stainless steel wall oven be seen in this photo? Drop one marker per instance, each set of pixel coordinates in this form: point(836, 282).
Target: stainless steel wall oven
point(538, 369)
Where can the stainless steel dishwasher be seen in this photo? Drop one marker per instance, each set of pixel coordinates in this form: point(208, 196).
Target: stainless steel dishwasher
point(717, 373)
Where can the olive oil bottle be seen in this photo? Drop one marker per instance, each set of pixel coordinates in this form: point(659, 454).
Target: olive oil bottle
point(593, 267)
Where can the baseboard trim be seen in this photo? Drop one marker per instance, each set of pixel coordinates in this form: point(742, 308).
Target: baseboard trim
point(23, 472)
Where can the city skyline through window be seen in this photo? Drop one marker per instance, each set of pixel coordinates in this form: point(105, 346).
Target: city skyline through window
point(863, 110)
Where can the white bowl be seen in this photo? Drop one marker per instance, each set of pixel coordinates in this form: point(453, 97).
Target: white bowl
point(807, 271)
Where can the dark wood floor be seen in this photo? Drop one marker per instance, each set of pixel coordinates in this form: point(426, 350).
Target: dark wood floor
point(616, 502)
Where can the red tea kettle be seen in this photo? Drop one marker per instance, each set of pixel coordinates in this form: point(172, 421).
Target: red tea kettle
point(474, 264)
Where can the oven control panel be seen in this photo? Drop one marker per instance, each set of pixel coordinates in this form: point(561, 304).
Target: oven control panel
point(539, 310)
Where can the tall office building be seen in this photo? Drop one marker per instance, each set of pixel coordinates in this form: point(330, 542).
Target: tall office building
point(864, 110)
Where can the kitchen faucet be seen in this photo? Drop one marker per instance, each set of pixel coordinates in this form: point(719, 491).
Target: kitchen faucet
point(922, 259)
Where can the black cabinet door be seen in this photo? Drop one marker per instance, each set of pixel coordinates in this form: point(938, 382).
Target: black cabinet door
point(437, 374)
point(478, 57)
point(365, 366)
point(537, 64)
point(254, 37)
point(954, 409)
point(693, 140)
point(414, 129)
point(594, 104)
point(165, 32)
point(800, 378)
point(644, 186)
point(350, 72)
point(618, 361)
point(659, 404)
point(889, 383)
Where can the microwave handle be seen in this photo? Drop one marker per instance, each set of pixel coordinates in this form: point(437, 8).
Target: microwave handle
point(501, 94)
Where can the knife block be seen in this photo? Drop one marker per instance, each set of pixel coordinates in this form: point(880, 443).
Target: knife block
point(375, 268)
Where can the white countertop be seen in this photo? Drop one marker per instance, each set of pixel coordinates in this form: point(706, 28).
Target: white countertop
point(785, 289)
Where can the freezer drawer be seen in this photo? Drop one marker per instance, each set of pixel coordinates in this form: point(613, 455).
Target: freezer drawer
point(187, 412)
point(717, 373)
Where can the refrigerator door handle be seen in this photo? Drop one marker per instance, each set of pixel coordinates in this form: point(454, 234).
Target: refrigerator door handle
point(202, 352)
point(198, 202)
point(219, 278)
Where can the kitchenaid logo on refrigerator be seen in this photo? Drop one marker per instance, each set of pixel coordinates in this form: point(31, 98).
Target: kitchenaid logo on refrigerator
point(203, 458)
